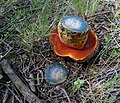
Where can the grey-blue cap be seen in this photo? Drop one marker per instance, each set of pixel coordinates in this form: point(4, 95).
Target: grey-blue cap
point(56, 73)
point(74, 23)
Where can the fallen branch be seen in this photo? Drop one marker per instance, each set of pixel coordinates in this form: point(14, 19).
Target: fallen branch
point(25, 91)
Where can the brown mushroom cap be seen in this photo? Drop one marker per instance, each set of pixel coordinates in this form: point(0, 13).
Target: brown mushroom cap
point(76, 54)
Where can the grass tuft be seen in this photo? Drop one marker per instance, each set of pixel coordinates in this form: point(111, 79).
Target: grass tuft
point(85, 7)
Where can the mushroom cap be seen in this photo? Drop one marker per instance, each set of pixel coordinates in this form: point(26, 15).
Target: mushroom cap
point(74, 23)
point(56, 73)
point(77, 54)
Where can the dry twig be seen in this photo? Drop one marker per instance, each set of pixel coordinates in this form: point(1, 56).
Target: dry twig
point(25, 91)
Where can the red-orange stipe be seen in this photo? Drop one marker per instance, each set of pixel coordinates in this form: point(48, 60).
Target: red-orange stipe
point(77, 54)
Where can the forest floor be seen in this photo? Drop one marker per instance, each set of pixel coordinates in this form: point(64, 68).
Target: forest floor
point(24, 43)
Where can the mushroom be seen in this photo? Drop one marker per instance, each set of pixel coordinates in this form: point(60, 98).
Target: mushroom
point(72, 31)
point(56, 73)
point(63, 50)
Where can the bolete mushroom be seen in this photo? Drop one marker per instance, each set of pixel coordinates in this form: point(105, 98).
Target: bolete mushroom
point(86, 52)
point(72, 31)
point(56, 73)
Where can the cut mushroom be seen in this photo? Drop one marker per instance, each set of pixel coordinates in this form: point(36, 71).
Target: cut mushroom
point(63, 50)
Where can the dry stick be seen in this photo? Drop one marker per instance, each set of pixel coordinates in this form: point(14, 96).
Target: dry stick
point(5, 96)
point(10, 48)
point(13, 94)
point(66, 95)
point(25, 91)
